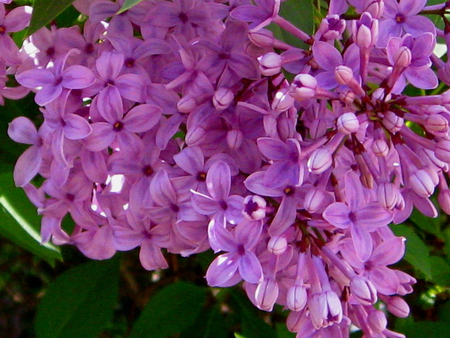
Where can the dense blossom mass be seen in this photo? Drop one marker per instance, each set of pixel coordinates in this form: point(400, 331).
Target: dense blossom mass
point(171, 127)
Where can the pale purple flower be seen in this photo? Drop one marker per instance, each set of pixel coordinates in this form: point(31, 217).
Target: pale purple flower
point(239, 258)
point(218, 204)
point(401, 17)
point(16, 20)
point(357, 215)
point(55, 79)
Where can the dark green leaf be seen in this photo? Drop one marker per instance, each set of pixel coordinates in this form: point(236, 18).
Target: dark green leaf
point(80, 302)
point(67, 18)
point(252, 325)
point(440, 270)
point(431, 225)
point(423, 329)
point(128, 4)
point(283, 332)
point(170, 311)
point(44, 11)
point(417, 253)
point(300, 14)
point(209, 324)
point(20, 222)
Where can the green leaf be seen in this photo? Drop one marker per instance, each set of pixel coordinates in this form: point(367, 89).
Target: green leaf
point(209, 324)
point(417, 253)
point(80, 302)
point(128, 4)
point(252, 325)
point(170, 311)
point(440, 270)
point(283, 332)
point(20, 222)
point(423, 329)
point(44, 11)
point(300, 14)
point(431, 225)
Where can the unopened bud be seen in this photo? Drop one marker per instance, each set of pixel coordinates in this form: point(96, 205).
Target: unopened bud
point(296, 298)
point(422, 183)
point(277, 245)
point(363, 290)
point(436, 124)
point(343, 75)
point(376, 8)
point(380, 148)
point(262, 38)
point(392, 122)
point(398, 307)
point(347, 97)
point(320, 160)
point(187, 104)
point(282, 101)
point(303, 87)
point(222, 98)
point(442, 150)
point(377, 320)
point(314, 199)
point(363, 38)
point(402, 57)
point(266, 294)
point(387, 195)
point(234, 139)
point(270, 64)
point(347, 123)
point(444, 200)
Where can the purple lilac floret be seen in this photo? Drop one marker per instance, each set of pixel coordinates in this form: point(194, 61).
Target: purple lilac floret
point(172, 128)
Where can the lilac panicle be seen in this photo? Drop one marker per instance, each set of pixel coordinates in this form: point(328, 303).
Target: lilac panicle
point(172, 128)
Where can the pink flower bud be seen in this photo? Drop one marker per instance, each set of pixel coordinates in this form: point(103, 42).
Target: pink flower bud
point(262, 38)
point(444, 73)
point(363, 290)
point(303, 87)
point(282, 101)
point(363, 37)
point(270, 64)
point(436, 123)
point(296, 298)
point(277, 245)
point(387, 194)
point(444, 200)
point(266, 294)
point(222, 98)
point(314, 199)
point(320, 161)
point(442, 150)
point(347, 97)
point(254, 207)
point(347, 123)
point(343, 75)
point(296, 321)
point(398, 307)
point(234, 139)
point(376, 8)
point(392, 122)
point(377, 320)
point(187, 104)
point(380, 148)
point(402, 57)
point(422, 183)
point(195, 136)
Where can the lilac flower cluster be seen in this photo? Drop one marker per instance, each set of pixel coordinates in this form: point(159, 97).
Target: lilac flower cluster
point(171, 127)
